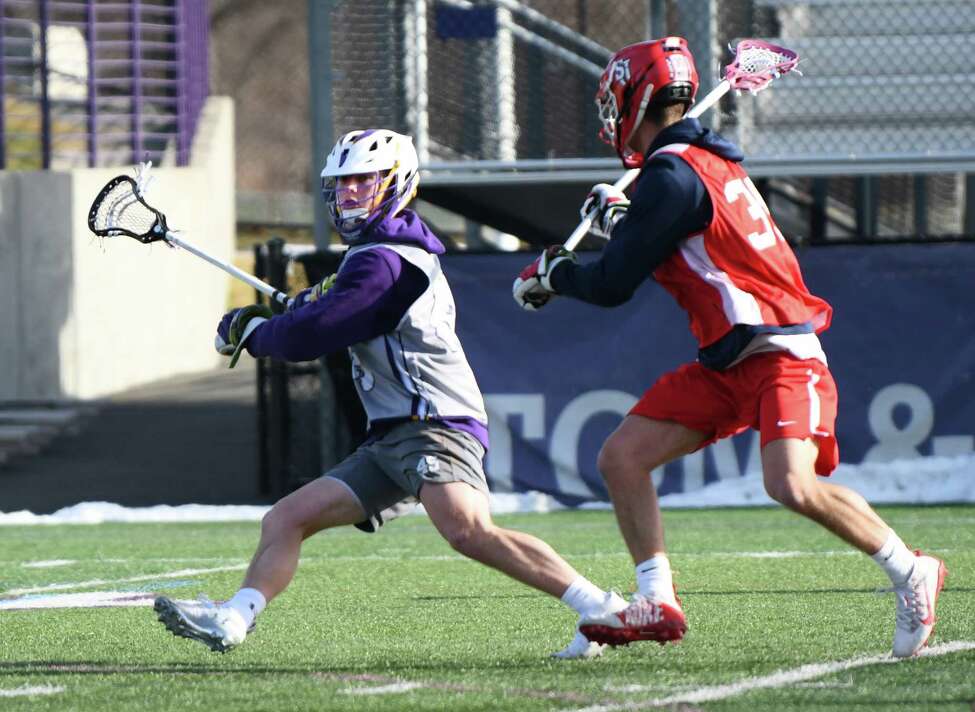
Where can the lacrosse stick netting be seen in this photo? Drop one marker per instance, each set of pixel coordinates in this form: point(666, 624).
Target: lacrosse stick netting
point(756, 64)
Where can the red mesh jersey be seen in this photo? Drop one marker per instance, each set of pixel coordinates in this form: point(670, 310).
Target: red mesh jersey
point(739, 270)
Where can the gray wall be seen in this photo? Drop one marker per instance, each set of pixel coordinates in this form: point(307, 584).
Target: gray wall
point(85, 317)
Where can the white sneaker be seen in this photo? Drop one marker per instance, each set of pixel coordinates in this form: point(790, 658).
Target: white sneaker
point(916, 601)
point(580, 647)
point(218, 627)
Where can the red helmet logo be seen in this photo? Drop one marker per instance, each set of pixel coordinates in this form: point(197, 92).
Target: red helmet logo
point(636, 76)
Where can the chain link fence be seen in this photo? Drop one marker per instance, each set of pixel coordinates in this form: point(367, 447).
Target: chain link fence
point(505, 80)
point(887, 96)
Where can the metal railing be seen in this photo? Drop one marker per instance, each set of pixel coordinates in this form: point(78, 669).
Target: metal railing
point(99, 82)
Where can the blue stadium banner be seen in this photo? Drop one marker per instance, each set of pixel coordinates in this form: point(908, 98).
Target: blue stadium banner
point(474, 23)
point(558, 381)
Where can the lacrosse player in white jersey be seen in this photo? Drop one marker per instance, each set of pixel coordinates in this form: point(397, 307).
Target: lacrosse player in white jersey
point(391, 307)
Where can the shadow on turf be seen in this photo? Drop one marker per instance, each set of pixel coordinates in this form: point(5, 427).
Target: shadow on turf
point(58, 667)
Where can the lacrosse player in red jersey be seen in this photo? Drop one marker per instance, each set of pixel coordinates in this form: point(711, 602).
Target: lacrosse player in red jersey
point(699, 226)
point(390, 305)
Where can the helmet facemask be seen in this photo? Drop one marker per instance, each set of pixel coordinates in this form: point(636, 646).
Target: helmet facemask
point(355, 211)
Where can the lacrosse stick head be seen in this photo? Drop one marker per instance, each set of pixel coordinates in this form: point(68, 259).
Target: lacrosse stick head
point(120, 209)
point(637, 76)
point(757, 63)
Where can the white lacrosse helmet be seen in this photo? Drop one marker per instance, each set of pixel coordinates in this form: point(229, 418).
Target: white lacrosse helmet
point(386, 153)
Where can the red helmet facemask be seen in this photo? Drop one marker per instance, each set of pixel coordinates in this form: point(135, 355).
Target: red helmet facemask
point(636, 76)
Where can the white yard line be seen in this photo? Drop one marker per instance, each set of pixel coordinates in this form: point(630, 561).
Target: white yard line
point(111, 582)
point(781, 678)
point(30, 691)
point(48, 564)
point(92, 599)
point(383, 689)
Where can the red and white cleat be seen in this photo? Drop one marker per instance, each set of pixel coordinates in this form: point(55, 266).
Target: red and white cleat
point(643, 619)
point(916, 601)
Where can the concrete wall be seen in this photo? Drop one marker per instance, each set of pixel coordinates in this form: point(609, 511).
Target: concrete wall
point(84, 317)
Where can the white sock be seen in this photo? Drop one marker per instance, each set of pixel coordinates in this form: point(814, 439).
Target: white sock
point(584, 597)
point(895, 559)
point(248, 602)
point(655, 580)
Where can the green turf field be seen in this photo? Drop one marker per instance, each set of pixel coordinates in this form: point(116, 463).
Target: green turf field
point(781, 616)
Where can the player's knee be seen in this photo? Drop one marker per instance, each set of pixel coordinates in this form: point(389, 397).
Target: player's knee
point(467, 538)
point(278, 519)
point(616, 461)
point(285, 517)
point(610, 460)
point(792, 492)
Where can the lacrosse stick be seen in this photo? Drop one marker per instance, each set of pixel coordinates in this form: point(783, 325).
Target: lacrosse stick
point(121, 209)
point(756, 64)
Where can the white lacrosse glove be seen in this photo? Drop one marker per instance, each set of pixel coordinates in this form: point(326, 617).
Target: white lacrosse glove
point(235, 328)
point(610, 205)
point(533, 287)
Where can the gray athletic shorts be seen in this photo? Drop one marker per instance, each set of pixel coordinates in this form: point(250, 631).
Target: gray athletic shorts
point(386, 474)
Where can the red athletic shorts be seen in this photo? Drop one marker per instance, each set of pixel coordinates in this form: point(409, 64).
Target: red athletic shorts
point(773, 392)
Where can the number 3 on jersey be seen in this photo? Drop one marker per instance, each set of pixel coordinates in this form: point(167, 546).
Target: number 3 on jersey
point(757, 210)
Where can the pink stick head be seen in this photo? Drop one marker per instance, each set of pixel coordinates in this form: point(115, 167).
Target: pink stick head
point(757, 63)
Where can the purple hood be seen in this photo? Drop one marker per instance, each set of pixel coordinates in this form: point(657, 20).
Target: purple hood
point(405, 228)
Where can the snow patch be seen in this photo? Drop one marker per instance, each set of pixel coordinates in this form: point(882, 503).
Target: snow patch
point(925, 480)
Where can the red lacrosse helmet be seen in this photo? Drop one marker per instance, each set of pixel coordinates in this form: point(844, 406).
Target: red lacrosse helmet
point(636, 76)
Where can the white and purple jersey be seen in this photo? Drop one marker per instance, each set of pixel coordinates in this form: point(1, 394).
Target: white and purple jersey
point(392, 308)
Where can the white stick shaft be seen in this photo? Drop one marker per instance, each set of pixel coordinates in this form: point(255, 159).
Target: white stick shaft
point(627, 178)
point(250, 279)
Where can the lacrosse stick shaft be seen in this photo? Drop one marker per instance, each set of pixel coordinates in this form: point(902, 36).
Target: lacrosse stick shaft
point(627, 178)
point(250, 279)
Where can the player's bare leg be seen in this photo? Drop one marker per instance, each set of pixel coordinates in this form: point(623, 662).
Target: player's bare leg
point(790, 479)
point(462, 516)
point(626, 459)
point(319, 505)
point(788, 467)
point(628, 456)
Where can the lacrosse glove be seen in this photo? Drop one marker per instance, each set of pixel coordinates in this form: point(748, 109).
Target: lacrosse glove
point(608, 204)
point(235, 328)
point(533, 287)
point(314, 293)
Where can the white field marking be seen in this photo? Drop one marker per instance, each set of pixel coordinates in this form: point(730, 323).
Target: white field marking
point(30, 691)
point(48, 564)
point(93, 599)
point(781, 678)
point(383, 689)
point(184, 573)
